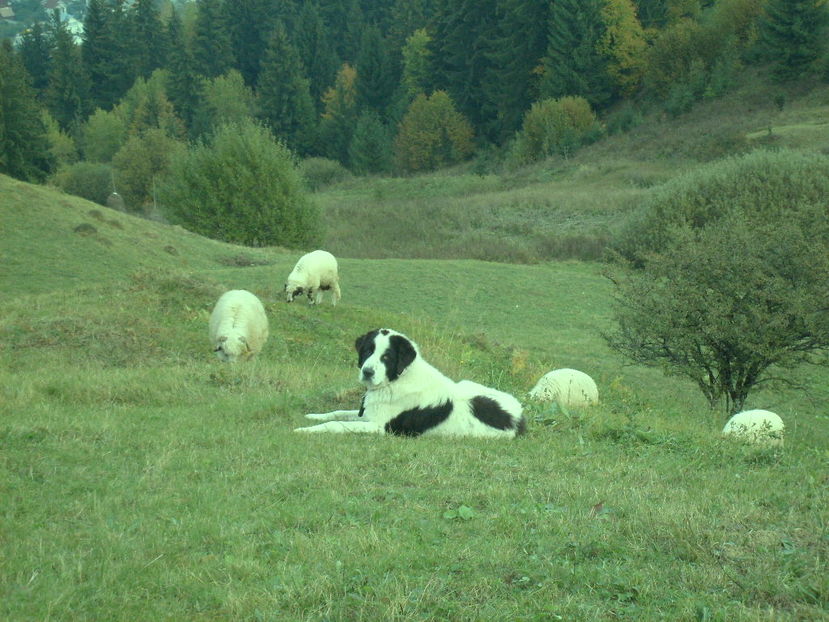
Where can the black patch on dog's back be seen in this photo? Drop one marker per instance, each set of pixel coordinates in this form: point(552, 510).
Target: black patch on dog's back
point(416, 421)
point(488, 411)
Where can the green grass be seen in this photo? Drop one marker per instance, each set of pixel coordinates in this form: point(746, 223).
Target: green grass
point(141, 479)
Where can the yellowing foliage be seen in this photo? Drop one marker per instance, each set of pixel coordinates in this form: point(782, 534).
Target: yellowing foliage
point(432, 134)
point(340, 100)
point(623, 44)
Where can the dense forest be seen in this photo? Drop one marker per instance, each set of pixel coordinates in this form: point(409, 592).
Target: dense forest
point(387, 86)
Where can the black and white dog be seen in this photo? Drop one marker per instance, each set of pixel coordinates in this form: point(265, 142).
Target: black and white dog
point(406, 396)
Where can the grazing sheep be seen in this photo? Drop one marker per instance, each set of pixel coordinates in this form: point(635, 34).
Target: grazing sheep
point(568, 387)
point(761, 427)
point(313, 274)
point(238, 326)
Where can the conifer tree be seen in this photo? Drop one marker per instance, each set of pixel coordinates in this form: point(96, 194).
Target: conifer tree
point(340, 115)
point(106, 52)
point(67, 96)
point(250, 23)
point(792, 35)
point(370, 150)
point(212, 54)
point(35, 50)
point(417, 73)
point(24, 149)
point(573, 64)
point(313, 43)
point(521, 43)
point(149, 46)
point(284, 95)
point(183, 86)
point(462, 53)
point(374, 76)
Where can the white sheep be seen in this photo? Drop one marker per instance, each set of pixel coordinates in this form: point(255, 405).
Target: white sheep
point(238, 326)
point(757, 426)
point(567, 387)
point(314, 273)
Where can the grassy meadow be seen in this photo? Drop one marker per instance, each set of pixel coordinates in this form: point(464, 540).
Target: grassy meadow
point(141, 479)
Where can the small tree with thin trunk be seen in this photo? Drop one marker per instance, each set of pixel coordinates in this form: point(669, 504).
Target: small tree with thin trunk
point(729, 306)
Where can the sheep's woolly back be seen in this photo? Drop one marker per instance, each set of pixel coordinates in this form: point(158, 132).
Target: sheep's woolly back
point(756, 426)
point(238, 324)
point(314, 273)
point(567, 387)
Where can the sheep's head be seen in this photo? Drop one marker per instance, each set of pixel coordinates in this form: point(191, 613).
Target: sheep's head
point(232, 348)
point(292, 290)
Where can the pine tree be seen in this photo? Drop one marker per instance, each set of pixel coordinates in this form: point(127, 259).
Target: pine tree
point(24, 149)
point(315, 48)
point(35, 50)
point(339, 118)
point(463, 48)
point(344, 20)
point(149, 45)
point(573, 64)
point(370, 150)
point(211, 47)
point(521, 43)
point(106, 52)
point(67, 95)
point(183, 86)
point(284, 95)
point(250, 23)
point(374, 77)
point(792, 35)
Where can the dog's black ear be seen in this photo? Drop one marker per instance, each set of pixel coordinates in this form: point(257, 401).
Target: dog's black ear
point(365, 346)
point(404, 351)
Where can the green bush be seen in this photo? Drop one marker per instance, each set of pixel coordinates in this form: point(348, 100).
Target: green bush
point(139, 163)
point(766, 186)
point(321, 172)
point(432, 134)
point(90, 180)
point(241, 187)
point(555, 127)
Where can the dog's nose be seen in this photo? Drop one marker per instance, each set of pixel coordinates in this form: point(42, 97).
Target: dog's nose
point(368, 373)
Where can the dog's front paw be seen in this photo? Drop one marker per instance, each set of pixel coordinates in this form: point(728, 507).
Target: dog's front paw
point(318, 416)
point(306, 430)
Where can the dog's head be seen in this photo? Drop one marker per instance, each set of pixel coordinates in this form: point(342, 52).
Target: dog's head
point(293, 290)
point(382, 356)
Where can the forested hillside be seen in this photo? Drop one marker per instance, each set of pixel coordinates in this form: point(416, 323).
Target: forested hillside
point(385, 87)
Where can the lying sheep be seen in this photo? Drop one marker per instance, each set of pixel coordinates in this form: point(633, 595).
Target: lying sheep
point(238, 326)
point(757, 426)
point(567, 387)
point(314, 273)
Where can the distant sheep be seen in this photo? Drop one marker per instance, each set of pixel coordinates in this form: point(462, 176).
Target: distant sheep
point(238, 326)
point(567, 387)
point(314, 273)
point(761, 427)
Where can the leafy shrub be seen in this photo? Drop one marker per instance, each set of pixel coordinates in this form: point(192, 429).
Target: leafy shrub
point(432, 134)
point(322, 172)
point(555, 127)
point(102, 135)
point(90, 180)
point(241, 187)
point(766, 186)
point(142, 160)
point(724, 305)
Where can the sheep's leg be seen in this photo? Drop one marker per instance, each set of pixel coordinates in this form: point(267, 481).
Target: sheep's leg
point(311, 296)
point(335, 294)
point(344, 427)
point(336, 415)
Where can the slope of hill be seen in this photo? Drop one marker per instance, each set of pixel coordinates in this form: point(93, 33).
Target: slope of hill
point(142, 479)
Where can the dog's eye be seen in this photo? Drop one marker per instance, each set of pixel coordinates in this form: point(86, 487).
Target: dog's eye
point(385, 357)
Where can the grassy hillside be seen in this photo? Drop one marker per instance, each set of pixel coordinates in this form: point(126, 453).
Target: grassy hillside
point(141, 479)
point(564, 208)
